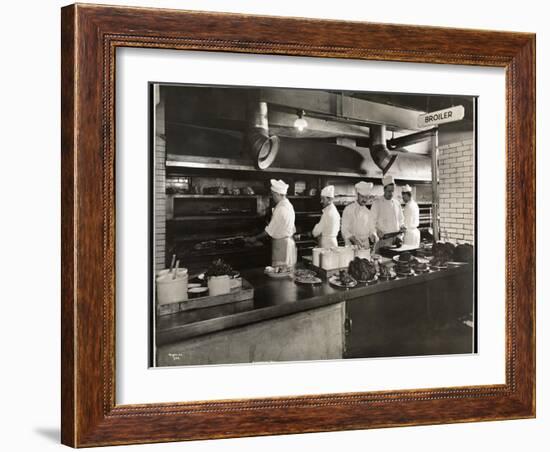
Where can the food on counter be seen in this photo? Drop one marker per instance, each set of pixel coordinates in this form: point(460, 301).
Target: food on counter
point(235, 191)
point(233, 242)
point(343, 279)
point(304, 273)
point(362, 269)
point(442, 253)
point(398, 242)
point(214, 190)
point(247, 191)
point(226, 211)
point(224, 243)
point(386, 272)
point(306, 277)
point(420, 265)
point(206, 245)
point(279, 271)
point(218, 268)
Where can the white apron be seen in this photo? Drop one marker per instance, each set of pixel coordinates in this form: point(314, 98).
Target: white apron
point(283, 252)
point(327, 242)
point(412, 237)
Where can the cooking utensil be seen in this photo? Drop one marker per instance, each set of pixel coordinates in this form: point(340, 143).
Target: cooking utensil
point(176, 269)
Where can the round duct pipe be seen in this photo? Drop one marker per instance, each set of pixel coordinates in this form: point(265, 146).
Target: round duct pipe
point(379, 152)
point(262, 147)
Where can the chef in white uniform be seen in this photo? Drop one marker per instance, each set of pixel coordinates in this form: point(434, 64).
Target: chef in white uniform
point(412, 218)
point(328, 227)
point(357, 224)
point(281, 228)
point(387, 214)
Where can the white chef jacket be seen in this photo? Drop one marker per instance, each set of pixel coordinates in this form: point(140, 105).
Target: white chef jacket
point(411, 214)
point(282, 221)
point(329, 225)
point(412, 220)
point(357, 222)
point(387, 215)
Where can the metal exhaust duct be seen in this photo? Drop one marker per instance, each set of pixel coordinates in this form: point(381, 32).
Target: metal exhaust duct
point(262, 147)
point(379, 152)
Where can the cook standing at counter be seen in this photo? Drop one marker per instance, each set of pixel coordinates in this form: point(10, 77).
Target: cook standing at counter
point(281, 228)
point(387, 215)
point(327, 229)
point(357, 224)
point(412, 218)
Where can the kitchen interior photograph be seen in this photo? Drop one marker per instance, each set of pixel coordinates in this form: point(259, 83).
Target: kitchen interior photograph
point(296, 224)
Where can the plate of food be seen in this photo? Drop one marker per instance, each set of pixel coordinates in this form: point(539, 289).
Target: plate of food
point(280, 271)
point(420, 265)
point(343, 280)
point(363, 270)
point(307, 279)
point(373, 280)
point(304, 273)
point(438, 263)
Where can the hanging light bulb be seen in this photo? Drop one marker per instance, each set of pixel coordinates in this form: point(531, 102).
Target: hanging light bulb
point(300, 122)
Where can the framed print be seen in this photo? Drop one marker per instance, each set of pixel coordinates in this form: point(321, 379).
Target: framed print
point(282, 225)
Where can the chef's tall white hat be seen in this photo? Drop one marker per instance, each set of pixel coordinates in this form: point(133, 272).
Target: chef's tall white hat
point(279, 186)
point(364, 188)
point(328, 191)
point(387, 180)
point(406, 189)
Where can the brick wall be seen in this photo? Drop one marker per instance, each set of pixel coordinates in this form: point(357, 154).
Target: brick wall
point(160, 185)
point(456, 191)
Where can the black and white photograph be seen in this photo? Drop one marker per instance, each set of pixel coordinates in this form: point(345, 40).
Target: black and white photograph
point(295, 224)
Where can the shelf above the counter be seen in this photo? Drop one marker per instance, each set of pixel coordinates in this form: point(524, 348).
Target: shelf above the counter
point(238, 165)
point(216, 217)
point(200, 196)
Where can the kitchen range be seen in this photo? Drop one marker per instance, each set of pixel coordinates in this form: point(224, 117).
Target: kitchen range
point(292, 225)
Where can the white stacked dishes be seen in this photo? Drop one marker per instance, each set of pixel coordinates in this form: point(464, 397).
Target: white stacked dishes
point(316, 257)
point(172, 288)
point(345, 255)
point(329, 259)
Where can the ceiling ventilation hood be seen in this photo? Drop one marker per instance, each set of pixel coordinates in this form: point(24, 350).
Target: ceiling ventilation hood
point(379, 152)
point(374, 158)
point(263, 148)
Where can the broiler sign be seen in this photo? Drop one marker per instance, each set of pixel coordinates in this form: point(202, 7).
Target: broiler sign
point(441, 116)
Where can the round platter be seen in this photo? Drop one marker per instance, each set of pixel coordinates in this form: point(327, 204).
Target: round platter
point(311, 280)
point(272, 273)
point(368, 281)
point(304, 273)
point(405, 275)
point(335, 281)
point(425, 270)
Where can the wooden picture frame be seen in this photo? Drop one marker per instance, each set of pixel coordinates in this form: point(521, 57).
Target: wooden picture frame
point(90, 37)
